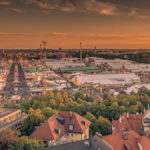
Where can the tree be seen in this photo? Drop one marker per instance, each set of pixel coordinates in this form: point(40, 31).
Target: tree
point(59, 98)
point(143, 91)
point(88, 97)
point(24, 143)
point(31, 110)
point(33, 120)
point(13, 105)
point(8, 138)
point(133, 109)
point(48, 112)
point(51, 94)
point(26, 104)
point(79, 94)
point(52, 103)
point(91, 118)
point(103, 126)
point(114, 111)
point(39, 104)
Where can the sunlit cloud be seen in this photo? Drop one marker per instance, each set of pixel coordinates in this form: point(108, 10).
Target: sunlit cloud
point(59, 34)
point(103, 8)
point(4, 3)
point(17, 10)
point(138, 13)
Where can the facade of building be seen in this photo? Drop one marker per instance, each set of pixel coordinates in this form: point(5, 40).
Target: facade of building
point(11, 118)
point(146, 123)
point(94, 143)
point(64, 126)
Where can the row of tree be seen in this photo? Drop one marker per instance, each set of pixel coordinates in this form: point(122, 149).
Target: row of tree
point(138, 57)
point(100, 112)
point(10, 140)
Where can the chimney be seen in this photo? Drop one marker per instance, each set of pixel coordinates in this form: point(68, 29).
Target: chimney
point(127, 115)
point(120, 119)
point(125, 136)
point(137, 113)
point(148, 106)
point(71, 115)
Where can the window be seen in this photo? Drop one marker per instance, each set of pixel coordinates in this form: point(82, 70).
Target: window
point(83, 122)
point(71, 126)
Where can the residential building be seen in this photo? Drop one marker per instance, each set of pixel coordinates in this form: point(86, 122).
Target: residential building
point(64, 126)
point(130, 132)
point(11, 118)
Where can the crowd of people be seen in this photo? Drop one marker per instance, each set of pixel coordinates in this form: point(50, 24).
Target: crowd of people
point(8, 91)
point(10, 88)
point(23, 89)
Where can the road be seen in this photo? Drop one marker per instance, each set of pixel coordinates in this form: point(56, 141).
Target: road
point(12, 88)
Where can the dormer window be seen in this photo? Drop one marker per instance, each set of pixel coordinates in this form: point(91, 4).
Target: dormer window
point(57, 131)
point(61, 119)
point(83, 122)
point(71, 127)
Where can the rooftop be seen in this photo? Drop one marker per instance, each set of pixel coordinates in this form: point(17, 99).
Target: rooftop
point(129, 122)
point(108, 78)
point(123, 141)
point(5, 112)
point(60, 123)
point(79, 68)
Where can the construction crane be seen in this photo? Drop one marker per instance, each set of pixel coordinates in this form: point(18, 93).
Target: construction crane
point(44, 43)
point(80, 51)
point(40, 51)
point(43, 47)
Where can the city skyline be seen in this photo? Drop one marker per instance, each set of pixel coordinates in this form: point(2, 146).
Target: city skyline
point(64, 23)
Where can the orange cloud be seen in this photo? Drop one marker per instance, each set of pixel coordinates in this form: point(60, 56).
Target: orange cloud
point(4, 3)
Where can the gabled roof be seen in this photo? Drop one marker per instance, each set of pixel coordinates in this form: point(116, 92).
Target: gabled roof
point(145, 143)
point(129, 122)
point(119, 143)
point(47, 131)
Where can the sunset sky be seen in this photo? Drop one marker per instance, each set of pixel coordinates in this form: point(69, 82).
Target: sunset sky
point(64, 23)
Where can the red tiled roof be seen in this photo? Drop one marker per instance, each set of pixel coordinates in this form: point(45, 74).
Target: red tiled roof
point(133, 122)
point(145, 143)
point(47, 131)
point(118, 143)
point(133, 126)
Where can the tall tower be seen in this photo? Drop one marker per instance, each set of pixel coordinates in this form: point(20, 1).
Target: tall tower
point(80, 51)
point(44, 43)
point(40, 51)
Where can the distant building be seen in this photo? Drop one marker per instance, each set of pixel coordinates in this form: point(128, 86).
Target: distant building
point(124, 141)
point(11, 118)
point(108, 79)
point(65, 127)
